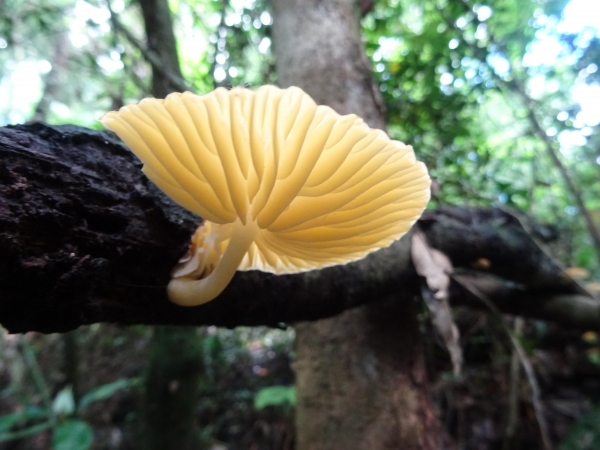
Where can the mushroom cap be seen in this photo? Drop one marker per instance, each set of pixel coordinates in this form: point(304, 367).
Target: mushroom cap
point(321, 188)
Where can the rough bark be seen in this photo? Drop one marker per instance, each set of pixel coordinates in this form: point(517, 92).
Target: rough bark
point(318, 47)
point(85, 238)
point(361, 381)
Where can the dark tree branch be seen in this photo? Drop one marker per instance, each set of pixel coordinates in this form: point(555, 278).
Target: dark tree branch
point(571, 310)
point(85, 238)
point(170, 80)
point(160, 41)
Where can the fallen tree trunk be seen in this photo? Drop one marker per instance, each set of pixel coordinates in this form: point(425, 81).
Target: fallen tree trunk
point(85, 238)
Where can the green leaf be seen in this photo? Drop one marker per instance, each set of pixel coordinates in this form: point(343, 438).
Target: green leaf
point(29, 413)
point(105, 391)
point(24, 432)
point(275, 395)
point(72, 435)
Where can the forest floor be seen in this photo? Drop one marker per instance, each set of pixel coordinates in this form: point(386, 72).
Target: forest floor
point(475, 408)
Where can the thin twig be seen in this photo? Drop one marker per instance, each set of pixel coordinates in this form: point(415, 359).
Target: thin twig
point(536, 397)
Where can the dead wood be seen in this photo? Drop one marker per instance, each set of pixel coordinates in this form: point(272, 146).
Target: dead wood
point(85, 238)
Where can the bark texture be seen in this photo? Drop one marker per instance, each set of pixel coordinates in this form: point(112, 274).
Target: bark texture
point(86, 238)
point(361, 382)
point(318, 47)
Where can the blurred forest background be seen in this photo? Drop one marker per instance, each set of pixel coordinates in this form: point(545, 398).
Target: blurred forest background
point(500, 99)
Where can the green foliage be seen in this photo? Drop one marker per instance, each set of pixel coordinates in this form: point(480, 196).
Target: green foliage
point(275, 396)
point(68, 432)
point(71, 55)
point(585, 434)
point(446, 72)
point(584, 257)
point(29, 414)
point(107, 390)
point(72, 435)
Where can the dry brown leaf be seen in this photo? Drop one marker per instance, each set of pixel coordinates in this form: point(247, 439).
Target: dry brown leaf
point(435, 267)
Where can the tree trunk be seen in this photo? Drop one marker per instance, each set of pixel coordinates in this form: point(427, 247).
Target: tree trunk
point(161, 42)
point(362, 383)
point(174, 367)
point(172, 386)
point(360, 376)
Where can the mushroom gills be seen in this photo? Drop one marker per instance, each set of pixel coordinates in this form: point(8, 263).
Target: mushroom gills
point(284, 185)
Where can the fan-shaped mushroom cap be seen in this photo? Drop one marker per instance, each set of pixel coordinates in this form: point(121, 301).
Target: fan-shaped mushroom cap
point(284, 185)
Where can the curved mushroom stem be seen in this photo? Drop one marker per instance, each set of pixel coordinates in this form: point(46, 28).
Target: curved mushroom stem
point(187, 291)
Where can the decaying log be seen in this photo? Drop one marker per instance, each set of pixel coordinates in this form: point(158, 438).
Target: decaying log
point(85, 238)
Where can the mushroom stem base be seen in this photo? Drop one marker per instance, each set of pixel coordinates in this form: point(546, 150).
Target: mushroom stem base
point(187, 291)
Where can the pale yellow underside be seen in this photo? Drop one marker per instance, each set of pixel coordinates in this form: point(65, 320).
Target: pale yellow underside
point(324, 189)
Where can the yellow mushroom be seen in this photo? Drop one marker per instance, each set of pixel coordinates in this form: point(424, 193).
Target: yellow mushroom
point(283, 185)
